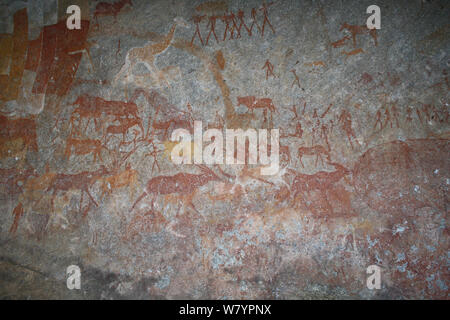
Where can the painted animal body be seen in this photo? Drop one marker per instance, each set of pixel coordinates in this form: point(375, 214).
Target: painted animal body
point(155, 100)
point(320, 181)
point(181, 183)
point(355, 30)
point(318, 151)
point(353, 52)
point(98, 106)
point(91, 107)
point(257, 103)
point(340, 42)
point(86, 110)
point(315, 64)
point(35, 187)
point(127, 177)
point(324, 196)
point(124, 126)
point(121, 109)
point(83, 147)
point(148, 53)
point(110, 9)
point(19, 128)
point(80, 181)
point(182, 120)
point(162, 125)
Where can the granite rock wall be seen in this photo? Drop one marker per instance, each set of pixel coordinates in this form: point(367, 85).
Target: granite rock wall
point(86, 170)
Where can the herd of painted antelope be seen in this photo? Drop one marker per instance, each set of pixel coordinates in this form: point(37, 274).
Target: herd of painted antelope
point(117, 125)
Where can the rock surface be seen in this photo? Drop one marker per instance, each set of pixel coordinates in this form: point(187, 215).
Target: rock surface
point(85, 150)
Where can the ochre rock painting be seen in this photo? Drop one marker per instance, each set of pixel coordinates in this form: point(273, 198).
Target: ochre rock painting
point(87, 166)
point(51, 62)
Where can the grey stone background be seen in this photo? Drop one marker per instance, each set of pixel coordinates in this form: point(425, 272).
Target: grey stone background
point(249, 239)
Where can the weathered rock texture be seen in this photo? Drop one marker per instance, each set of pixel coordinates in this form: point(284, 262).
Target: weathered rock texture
point(86, 117)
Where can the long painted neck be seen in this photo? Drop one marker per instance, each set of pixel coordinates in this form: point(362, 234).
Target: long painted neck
point(169, 36)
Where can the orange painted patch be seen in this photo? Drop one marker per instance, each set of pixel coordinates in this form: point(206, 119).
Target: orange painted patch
point(6, 48)
point(11, 85)
point(315, 64)
point(353, 52)
point(60, 58)
point(34, 53)
point(220, 60)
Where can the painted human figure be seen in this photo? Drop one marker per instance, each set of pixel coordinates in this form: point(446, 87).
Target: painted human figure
point(266, 18)
point(408, 114)
point(324, 135)
point(395, 115)
point(197, 20)
point(240, 16)
point(378, 120)
point(346, 121)
point(298, 130)
point(212, 27)
point(254, 22)
point(269, 69)
point(387, 114)
point(296, 80)
point(230, 24)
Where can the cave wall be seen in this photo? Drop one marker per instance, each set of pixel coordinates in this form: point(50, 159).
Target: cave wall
point(87, 172)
